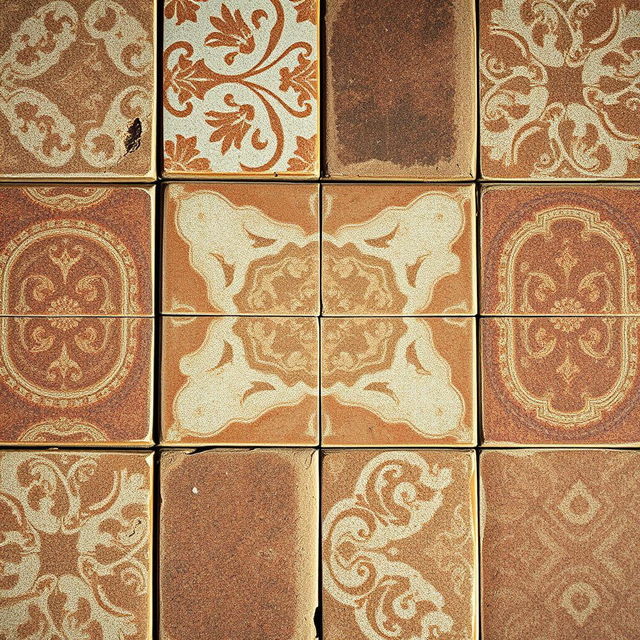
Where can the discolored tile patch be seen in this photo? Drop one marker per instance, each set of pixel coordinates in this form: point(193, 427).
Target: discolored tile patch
point(248, 546)
point(399, 544)
point(240, 380)
point(75, 531)
point(383, 117)
point(558, 90)
point(403, 249)
point(559, 544)
point(78, 90)
point(398, 381)
point(76, 251)
point(241, 88)
point(560, 250)
point(241, 249)
point(75, 380)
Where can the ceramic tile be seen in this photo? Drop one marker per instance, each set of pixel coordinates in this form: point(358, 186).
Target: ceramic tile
point(239, 529)
point(240, 380)
point(399, 544)
point(75, 531)
point(398, 249)
point(241, 88)
point(564, 380)
point(390, 114)
point(560, 546)
point(241, 249)
point(75, 380)
point(76, 250)
point(560, 250)
point(559, 90)
point(78, 89)
point(398, 381)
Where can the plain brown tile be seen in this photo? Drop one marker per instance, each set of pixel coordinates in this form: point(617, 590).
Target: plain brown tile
point(238, 544)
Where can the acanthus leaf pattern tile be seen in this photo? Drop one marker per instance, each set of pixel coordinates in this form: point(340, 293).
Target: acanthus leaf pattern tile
point(241, 88)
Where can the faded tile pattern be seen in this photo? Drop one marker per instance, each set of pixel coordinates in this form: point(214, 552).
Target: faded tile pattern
point(238, 544)
point(241, 87)
point(398, 381)
point(241, 249)
point(559, 89)
point(552, 250)
point(77, 89)
point(560, 546)
point(401, 82)
point(561, 380)
point(75, 540)
point(240, 380)
point(392, 250)
point(398, 545)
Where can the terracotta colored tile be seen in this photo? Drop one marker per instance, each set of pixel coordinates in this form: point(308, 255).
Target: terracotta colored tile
point(241, 88)
point(75, 380)
point(78, 89)
point(67, 250)
point(240, 380)
point(560, 250)
point(75, 531)
point(559, 90)
point(399, 545)
point(392, 250)
point(398, 381)
point(560, 546)
point(401, 89)
point(565, 380)
point(241, 249)
point(239, 544)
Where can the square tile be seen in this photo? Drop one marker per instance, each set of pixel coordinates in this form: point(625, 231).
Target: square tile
point(239, 380)
point(76, 544)
point(76, 380)
point(76, 251)
point(78, 90)
point(388, 113)
point(238, 544)
point(560, 250)
point(398, 381)
point(558, 90)
point(560, 546)
point(241, 88)
point(564, 380)
point(399, 544)
point(241, 249)
point(393, 250)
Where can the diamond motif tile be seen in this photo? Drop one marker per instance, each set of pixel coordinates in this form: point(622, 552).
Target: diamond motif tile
point(78, 90)
point(75, 531)
point(241, 88)
point(398, 381)
point(559, 544)
point(241, 249)
point(399, 544)
point(240, 529)
point(403, 249)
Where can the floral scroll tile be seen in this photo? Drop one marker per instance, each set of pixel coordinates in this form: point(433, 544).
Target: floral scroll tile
point(559, 89)
point(398, 381)
point(398, 249)
point(560, 546)
point(76, 251)
point(76, 536)
point(77, 89)
point(247, 249)
point(241, 88)
point(560, 250)
point(240, 380)
point(399, 545)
